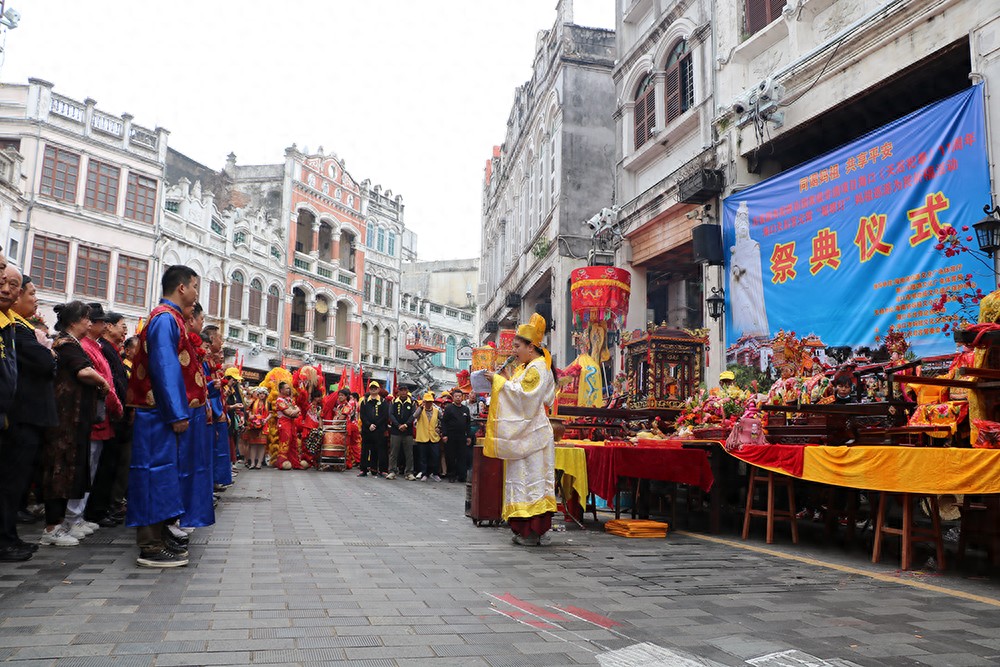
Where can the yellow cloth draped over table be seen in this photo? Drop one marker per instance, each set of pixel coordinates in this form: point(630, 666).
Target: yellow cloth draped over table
point(518, 431)
point(927, 470)
point(573, 462)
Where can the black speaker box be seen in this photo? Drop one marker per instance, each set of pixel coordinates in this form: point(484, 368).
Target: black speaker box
point(707, 242)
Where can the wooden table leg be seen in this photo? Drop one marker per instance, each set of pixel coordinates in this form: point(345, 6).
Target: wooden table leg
point(791, 512)
point(749, 503)
point(907, 558)
point(770, 507)
point(879, 522)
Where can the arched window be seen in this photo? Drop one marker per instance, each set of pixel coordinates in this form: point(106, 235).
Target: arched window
point(256, 296)
point(540, 185)
point(464, 365)
point(645, 110)
point(236, 296)
point(376, 343)
point(273, 299)
point(365, 342)
point(388, 294)
point(370, 235)
point(381, 239)
point(679, 81)
point(553, 181)
point(392, 244)
point(530, 168)
point(240, 238)
point(368, 287)
point(449, 352)
point(387, 355)
point(378, 290)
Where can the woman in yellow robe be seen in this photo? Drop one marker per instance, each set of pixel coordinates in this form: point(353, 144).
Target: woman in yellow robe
point(518, 431)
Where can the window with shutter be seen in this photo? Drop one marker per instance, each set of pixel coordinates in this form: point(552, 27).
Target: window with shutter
point(214, 292)
point(645, 111)
point(679, 81)
point(759, 13)
point(236, 297)
point(256, 297)
point(272, 308)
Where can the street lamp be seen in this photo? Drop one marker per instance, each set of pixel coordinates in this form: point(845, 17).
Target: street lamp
point(716, 303)
point(988, 230)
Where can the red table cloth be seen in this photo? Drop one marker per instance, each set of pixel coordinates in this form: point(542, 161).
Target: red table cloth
point(606, 463)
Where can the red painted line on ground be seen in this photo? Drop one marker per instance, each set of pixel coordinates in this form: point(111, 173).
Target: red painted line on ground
point(528, 607)
point(533, 622)
point(591, 617)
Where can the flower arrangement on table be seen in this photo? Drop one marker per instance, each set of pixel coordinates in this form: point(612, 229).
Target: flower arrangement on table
point(712, 413)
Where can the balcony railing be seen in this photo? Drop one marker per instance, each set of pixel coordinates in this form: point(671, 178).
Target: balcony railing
point(324, 272)
point(143, 137)
point(345, 279)
point(342, 354)
point(107, 124)
point(298, 345)
point(321, 349)
point(67, 108)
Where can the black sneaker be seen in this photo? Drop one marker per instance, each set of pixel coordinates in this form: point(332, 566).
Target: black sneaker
point(162, 558)
point(108, 521)
point(175, 547)
point(363, 473)
point(15, 554)
point(32, 547)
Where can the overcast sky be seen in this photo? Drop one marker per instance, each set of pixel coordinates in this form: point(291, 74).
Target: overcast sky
point(412, 94)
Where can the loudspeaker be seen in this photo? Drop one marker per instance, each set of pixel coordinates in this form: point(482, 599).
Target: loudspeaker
point(707, 242)
point(545, 310)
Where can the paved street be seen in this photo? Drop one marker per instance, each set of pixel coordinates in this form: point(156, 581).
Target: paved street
point(326, 568)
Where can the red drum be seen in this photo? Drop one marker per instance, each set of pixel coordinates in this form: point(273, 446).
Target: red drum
point(333, 455)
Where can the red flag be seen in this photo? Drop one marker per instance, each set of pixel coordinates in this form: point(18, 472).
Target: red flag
point(358, 381)
point(343, 378)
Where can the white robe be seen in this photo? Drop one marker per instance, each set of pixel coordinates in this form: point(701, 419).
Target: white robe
point(518, 430)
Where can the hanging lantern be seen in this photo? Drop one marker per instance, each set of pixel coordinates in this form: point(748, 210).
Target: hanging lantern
point(600, 293)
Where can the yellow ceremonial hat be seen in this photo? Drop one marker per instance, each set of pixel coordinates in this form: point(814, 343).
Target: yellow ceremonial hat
point(233, 372)
point(727, 375)
point(533, 331)
point(429, 396)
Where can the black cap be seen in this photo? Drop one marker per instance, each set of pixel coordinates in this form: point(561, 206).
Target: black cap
point(97, 313)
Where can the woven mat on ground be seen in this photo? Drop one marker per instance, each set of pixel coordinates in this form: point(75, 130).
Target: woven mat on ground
point(636, 528)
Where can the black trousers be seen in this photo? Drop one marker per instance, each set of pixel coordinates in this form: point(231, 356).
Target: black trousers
point(455, 455)
point(99, 501)
point(374, 453)
point(19, 447)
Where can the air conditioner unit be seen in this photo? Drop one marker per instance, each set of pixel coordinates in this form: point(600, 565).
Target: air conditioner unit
point(600, 258)
point(513, 300)
point(491, 326)
point(701, 186)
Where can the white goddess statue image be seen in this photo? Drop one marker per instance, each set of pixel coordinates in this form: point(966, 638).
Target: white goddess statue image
point(746, 282)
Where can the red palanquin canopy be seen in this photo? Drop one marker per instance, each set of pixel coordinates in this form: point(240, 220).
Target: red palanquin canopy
point(600, 293)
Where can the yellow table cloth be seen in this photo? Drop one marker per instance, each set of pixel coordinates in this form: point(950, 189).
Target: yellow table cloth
point(573, 462)
point(927, 470)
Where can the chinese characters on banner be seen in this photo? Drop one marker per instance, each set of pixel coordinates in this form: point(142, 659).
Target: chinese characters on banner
point(843, 246)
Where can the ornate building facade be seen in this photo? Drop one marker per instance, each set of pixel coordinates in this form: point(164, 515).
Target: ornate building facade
point(553, 171)
point(87, 221)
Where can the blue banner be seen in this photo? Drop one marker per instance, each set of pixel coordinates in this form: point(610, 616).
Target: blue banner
point(843, 246)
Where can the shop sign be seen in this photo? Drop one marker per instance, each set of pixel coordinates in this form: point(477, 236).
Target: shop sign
point(846, 245)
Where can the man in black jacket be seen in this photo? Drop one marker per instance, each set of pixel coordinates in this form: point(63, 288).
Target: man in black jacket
point(99, 508)
point(32, 409)
point(455, 424)
point(401, 418)
point(374, 413)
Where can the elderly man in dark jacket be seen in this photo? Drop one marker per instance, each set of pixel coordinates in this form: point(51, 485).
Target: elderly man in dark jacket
point(31, 413)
